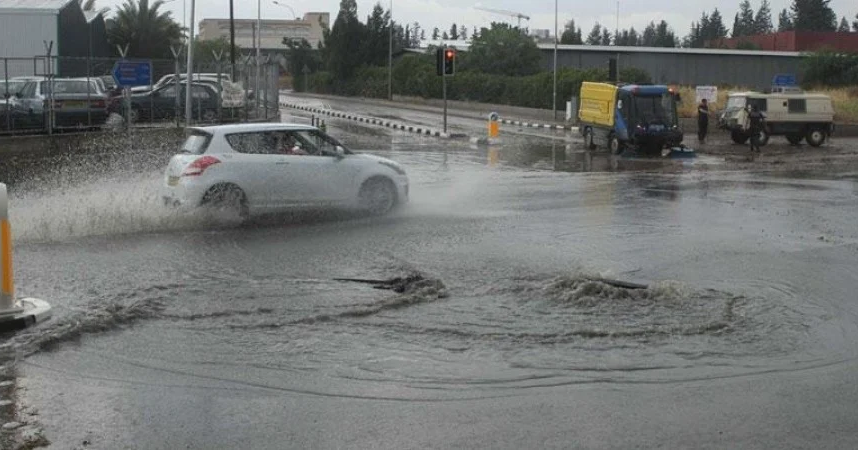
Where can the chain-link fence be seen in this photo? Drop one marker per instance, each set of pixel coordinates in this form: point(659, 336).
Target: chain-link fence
point(54, 94)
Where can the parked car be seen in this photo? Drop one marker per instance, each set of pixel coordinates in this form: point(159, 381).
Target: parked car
point(76, 102)
point(171, 79)
point(250, 169)
point(796, 115)
point(161, 103)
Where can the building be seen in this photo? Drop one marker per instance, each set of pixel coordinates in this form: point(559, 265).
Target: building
point(682, 66)
point(793, 41)
point(25, 25)
point(310, 27)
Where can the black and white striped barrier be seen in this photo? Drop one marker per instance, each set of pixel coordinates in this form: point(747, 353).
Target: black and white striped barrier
point(14, 314)
point(369, 120)
point(548, 126)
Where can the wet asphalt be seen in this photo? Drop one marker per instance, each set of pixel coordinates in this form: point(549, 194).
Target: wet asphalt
point(172, 332)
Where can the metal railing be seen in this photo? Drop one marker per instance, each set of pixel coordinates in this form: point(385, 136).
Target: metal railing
point(44, 114)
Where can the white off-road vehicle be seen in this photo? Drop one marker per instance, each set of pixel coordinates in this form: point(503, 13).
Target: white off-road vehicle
point(796, 115)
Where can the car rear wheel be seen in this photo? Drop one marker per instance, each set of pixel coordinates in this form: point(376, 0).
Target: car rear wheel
point(794, 139)
point(377, 196)
point(227, 199)
point(614, 145)
point(739, 137)
point(815, 137)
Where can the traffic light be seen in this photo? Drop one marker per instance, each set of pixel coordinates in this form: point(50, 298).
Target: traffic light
point(445, 61)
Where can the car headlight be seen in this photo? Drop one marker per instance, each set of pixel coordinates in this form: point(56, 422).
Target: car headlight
point(396, 167)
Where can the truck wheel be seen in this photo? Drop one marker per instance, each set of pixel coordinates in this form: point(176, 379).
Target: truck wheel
point(588, 139)
point(815, 137)
point(794, 139)
point(739, 137)
point(614, 145)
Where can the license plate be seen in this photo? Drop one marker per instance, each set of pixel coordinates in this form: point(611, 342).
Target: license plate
point(172, 181)
point(68, 104)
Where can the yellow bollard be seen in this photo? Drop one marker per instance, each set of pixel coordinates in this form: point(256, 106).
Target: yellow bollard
point(494, 125)
point(7, 286)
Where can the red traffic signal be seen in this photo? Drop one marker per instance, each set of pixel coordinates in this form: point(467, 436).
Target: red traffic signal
point(446, 61)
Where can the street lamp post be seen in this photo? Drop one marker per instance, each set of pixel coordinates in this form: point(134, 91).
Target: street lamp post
point(390, 57)
point(554, 95)
point(189, 77)
point(287, 7)
point(258, 51)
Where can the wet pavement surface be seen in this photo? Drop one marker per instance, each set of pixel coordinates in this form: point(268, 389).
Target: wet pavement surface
point(497, 328)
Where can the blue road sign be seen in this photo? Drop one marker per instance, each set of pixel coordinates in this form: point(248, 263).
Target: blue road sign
point(132, 73)
point(784, 79)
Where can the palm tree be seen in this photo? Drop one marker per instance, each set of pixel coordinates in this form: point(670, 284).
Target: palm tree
point(147, 32)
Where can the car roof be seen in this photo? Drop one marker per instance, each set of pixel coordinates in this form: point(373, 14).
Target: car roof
point(216, 130)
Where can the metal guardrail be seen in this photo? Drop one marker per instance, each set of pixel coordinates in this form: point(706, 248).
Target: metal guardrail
point(16, 118)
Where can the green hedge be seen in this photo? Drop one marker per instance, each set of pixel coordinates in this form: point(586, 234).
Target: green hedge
point(414, 76)
point(831, 69)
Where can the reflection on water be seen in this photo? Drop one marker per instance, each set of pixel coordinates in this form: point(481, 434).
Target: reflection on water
point(566, 157)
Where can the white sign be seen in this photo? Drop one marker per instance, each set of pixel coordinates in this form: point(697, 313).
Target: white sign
point(710, 93)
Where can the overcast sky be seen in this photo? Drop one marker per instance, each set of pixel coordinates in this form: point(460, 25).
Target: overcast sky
point(442, 13)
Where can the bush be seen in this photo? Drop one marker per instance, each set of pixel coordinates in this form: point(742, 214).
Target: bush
point(830, 69)
point(414, 76)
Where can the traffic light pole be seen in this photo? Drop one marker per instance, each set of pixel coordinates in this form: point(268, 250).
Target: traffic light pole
point(444, 87)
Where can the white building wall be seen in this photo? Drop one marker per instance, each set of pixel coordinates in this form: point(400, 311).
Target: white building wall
point(22, 37)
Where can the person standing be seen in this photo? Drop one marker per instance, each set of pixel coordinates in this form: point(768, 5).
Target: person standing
point(702, 120)
point(756, 125)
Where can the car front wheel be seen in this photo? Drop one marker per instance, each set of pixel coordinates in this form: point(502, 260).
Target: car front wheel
point(815, 137)
point(377, 196)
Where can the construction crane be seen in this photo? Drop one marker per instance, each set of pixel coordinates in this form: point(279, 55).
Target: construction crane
point(504, 12)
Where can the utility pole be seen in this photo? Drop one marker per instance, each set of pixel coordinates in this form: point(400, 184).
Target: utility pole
point(390, 57)
point(554, 95)
point(232, 38)
point(188, 80)
point(258, 51)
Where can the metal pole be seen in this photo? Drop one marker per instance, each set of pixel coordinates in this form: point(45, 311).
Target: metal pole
point(6, 90)
point(49, 121)
point(444, 86)
point(258, 51)
point(390, 57)
point(232, 39)
point(554, 94)
point(188, 104)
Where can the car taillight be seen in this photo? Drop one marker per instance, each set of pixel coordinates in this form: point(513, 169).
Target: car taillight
point(98, 104)
point(199, 166)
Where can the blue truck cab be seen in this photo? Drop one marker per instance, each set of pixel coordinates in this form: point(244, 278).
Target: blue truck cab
point(643, 117)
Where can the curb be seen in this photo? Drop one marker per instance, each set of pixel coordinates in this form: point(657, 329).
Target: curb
point(369, 120)
point(538, 125)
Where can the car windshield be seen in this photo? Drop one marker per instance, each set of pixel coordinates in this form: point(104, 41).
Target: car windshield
point(196, 143)
point(13, 87)
point(70, 86)
point(655, 109)
point(736, 102)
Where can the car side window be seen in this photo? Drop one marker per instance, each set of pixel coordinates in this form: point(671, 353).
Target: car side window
point(762, 104)
point(168, 92)
point(797, 105)
point(200, 93)
point(320, 143)
point(258, 143)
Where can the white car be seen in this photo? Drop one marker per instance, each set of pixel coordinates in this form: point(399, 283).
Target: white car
point(252, 169)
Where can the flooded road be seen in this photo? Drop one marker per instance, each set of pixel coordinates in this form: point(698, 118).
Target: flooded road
point(171, 332)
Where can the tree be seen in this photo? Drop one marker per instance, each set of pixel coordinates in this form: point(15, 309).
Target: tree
point(627, 38)
point(716, 28)
point(345, 43)
point(813, 15)
point(648, 38)
point(785, 21)
point(376, 36)
point(763, 19)
point(664, 36)
point(205, 50)
point(595, 36)
point(503, 50)
point(301, 57)
point(571, 35)
point(435, 34)
point(606, 37)
point(744, 24)
point(855, 24)
point(454, 32)
point(463, 33)
point(844, 26)
point(146, 31)
point(445, 36)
